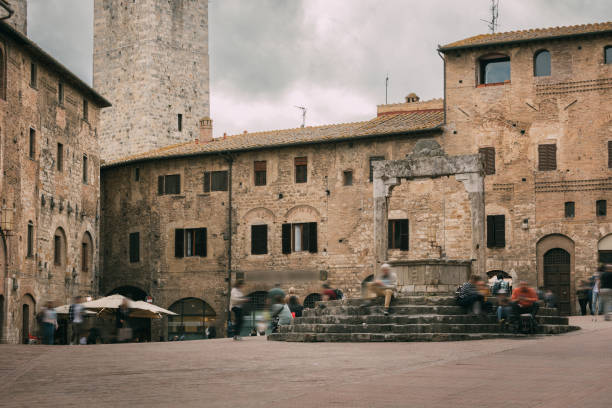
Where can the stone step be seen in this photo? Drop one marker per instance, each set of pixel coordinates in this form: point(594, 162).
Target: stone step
point(417, 319)
point(346, 310)
point(403, 300)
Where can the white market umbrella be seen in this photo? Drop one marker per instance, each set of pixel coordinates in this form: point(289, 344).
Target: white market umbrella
point(137, 308)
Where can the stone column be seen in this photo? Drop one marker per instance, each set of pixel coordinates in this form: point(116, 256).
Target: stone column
point(474, 185)
point(382, 190)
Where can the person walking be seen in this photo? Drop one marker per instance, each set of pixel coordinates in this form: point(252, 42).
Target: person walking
point(124, 333)
point(237, 299)
point(385, 286)
point(49, 321)
point(75, 316)
point(582, 293)
point(605, 291)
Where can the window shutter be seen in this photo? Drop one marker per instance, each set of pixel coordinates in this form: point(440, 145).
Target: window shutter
point(312, 239)
point(179, 243)
point(286, 238)
point(207, 182)
point(160, 185)
point(134, 247)
point(488, 157)
point(259, 239)
point(500, 231)
point(260, 166)
point(403, 224)
point(200, 242)
point(610, 154)
point(547, 157)
point(490, 231)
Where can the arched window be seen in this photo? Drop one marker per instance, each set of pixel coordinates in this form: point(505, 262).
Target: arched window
point(608, 54)
point(193, 317)
point(59, 247)
point(86, 253)
point(541, 63)
point(30, 243)
point(494, 69)
point(310, 300)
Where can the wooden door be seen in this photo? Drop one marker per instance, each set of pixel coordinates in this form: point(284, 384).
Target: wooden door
point(557, 277)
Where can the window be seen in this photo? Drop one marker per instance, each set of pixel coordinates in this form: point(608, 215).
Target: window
point(601, 208)
point(169, 184)
point(488, 157)
point(547, 157)
point(610, 154)
point(215, 181)
point(137, 174)
point(84, 257)
point(60, 93)
point(372, 160)
point(494, 69)
point(260, 172)
point(60, 157)
point(2, 75)
point(180, 122)
point(84, 169)
point(301, 169)
point(398, 234)
point(259, 239)
point(569, 209)
point(347, 177)
point(608, 54)
point(57, 250)
point(541, 63)
point(33, 75)
point(32, 143)
point(134, 247)
point(190, 242)
point(496, 231)
point(299, 237)
point(85, 110)
point(30, 240)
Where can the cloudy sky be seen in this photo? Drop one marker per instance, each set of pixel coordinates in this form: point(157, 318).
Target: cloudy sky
point(331, 56)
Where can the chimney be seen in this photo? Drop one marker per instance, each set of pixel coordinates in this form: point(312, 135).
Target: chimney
point(19, 20)
point(206, 134)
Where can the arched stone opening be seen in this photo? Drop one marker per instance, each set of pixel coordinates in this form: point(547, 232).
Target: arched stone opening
point(310, 300)
point(28, 318)
point(604, 250)
point(193, 316)
point(131, 292)
point(555, 261)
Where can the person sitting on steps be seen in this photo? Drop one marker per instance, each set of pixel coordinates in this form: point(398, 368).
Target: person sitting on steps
point(469, 297)
point(385, 286)
point(524, 300)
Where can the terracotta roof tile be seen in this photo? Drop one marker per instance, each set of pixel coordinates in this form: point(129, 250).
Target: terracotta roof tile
point(383, 125)
point(529, 35)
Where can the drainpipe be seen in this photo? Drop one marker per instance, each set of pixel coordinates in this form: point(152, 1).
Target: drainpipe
point(7, 8)
point(230, 161)
point(444, 94)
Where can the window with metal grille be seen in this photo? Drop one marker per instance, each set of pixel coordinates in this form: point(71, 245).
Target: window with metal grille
point(601, 208)
point(134, 247)
point(32, 143)
point(33, 75)
point(541, 63)
point(301, 169)
point(488, 157)
point(547, 157)
point(398, 235)
point(85, 176)
point(569, 209)
point(348, 177)
point(259, 239)
point(299, 237)
point(215, 181)
point(261, 169)
point(190, 242)
point(30, 240)
point(610, 154)
point(496, 231)
point(170, 184)
point(60, 157)
point(372, 160)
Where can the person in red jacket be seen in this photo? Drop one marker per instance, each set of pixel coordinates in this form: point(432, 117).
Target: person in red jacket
point(524, 300)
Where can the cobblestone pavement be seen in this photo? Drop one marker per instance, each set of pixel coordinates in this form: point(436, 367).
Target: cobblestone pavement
point(571, 370)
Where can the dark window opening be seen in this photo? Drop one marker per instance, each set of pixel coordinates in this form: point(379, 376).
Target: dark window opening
point(57, 250)
point(547, 157)
point(84, 257)
point(260, 172)
point(2, 75)
point(347, 178)
point(541, 63)
point(494, 70)
point(496, 231)
point(259, 239)
point(215, 181)
point(398, 235)
point(170, 184)
point(33, 75)
point(32, 143)
point(610, 154)
point(608, 54)
point(85, 110)
point(301, 169)
point(570, 209)
point(60, 93)
point(180, 122)
point(137, 174)
point(601, 207)
point(134, 247)
point(190, 242)
point(85, 176)
point(299, 237)
point(372, 160)
point(30, 240)
point(488, 157)
point(60, 157)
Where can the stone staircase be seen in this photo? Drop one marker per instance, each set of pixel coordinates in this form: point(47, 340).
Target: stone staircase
point(412, 318)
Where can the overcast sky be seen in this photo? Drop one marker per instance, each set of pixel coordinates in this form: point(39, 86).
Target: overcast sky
point(331, 56)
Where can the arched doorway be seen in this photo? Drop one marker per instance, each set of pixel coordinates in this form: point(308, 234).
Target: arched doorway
point(364, 285)
point(28, 311)
point(309, 301)
point(193, 315)
point(492, 278)
point(141, 327)
point(131, 292)
point(555, 255)
point(604, 250)
point(254, 310)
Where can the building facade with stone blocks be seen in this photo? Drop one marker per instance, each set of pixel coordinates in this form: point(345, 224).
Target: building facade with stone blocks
point(151, 62)
point(19, 19)
point(49, 184)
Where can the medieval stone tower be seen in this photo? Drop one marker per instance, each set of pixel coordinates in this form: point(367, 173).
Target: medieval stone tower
point(151, 63)
point(19, 20)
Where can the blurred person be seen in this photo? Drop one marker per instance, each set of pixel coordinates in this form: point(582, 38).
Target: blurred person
point(504, 310)
point(261, 325)
point(280, 313)
point(385, 286)
point(500, 284)
point(276, 291)
point(483, 289)
point(605, 291)
point(49, 321)
point(290, 293)
point(469, 297)
point(75, 317)
point(295, 307)
point(550, 300)
point(582, 293)
point(524, 300)
point(237, 299)
point(327, 293)
point(124, 333)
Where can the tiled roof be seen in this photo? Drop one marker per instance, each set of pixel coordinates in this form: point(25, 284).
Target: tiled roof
point(529, 35)
point(384, 125)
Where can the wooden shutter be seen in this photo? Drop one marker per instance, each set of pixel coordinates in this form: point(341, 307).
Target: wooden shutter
point(160, 185)
point(500, 231)
point(179, 243)
point(200, 242)
point(219, 181)
point(547, 157)
point(490, 231)
point(403, 244)
point(312, 236)
point(173, 184)
point(610, 154)
point(286, 238)
point(259, 239)
point(488, 158)
point(301, 169)
point(260, 172)
point(207, 182)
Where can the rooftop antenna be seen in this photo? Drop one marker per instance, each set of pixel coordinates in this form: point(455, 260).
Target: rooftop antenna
point(303, 109)
point(494, 16)
point(386, 87)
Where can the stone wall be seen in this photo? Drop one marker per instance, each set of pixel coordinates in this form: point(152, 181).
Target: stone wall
point(19, 20)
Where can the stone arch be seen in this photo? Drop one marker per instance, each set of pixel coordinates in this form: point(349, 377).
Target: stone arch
point(27, 325)
point(87, 261)
point(303, 213)
point(60, 248)
point(309, 301)
point(193, 316)
point(565, 290)
point(258, 214)
point(131, 292)
point(604, 249)
point(364, 285)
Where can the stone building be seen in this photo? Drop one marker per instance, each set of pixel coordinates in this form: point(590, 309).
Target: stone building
point(49, 183)
point(151, 62)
